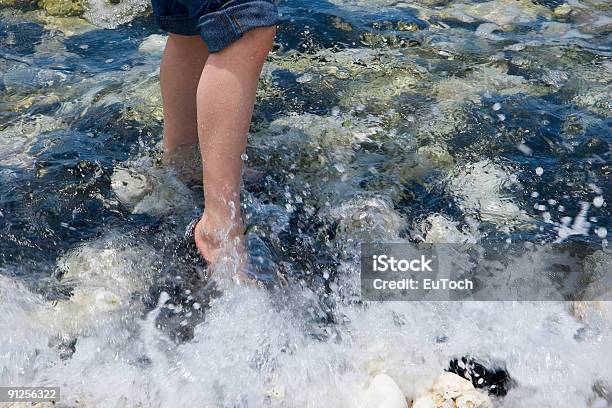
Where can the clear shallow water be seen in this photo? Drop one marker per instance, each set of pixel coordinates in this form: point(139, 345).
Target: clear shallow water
point(437, 121)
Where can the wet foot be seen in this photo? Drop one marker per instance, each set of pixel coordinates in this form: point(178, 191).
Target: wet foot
point(222, 247)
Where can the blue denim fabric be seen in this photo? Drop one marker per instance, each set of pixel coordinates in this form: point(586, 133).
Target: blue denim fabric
point(218, 22)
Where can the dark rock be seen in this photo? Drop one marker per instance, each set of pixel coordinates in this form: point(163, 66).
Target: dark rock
point(496, 380)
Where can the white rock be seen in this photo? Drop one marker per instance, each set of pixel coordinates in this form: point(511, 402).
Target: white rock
point(383, 392)
point(452, 391)
point(449, 386)
point(424, 401)
point(473, 399)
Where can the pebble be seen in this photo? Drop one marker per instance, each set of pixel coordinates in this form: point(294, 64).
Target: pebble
point(304, 78)
point(383, 392)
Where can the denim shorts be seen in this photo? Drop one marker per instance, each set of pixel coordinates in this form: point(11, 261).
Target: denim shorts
point(218, 22)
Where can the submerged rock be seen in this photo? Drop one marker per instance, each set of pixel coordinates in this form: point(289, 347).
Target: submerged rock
point(504, 13)
point(595, 98)
point(437, 154)
point(146, 189)
point(63, 8)
point(471, 88)
point(367, 219)
point(129, 186)
point(104, 275)
point(16, 141)
point(153, 44)
point(479, 187)
point(67, 25)
point(597, 293)
point(439, 229)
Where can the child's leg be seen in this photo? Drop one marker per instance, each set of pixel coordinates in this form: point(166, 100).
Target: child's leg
point(226, 94)
point(182, 64)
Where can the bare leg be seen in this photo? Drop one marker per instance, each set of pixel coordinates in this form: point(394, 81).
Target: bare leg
point(226, 95)
point(181, 67)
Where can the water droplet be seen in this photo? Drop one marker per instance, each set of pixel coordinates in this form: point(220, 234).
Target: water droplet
point(501, 117)
point(539, 171)
point(601, 232)
point(244, 157)
point(598, 201)
point(523, 148)
point(496, 106)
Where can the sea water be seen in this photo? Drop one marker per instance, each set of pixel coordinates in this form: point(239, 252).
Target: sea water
point(479, 123)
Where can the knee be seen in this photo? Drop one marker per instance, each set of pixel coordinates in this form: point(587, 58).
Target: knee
point(258, 42)
point(264, 36)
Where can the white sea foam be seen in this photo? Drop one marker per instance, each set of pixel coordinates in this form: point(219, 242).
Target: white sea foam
point(266, 340)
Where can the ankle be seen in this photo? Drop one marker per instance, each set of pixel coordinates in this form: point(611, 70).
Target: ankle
point(185, 161)
point(221, 226)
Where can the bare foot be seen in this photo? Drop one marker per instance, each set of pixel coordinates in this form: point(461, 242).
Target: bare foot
point(222, 246)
